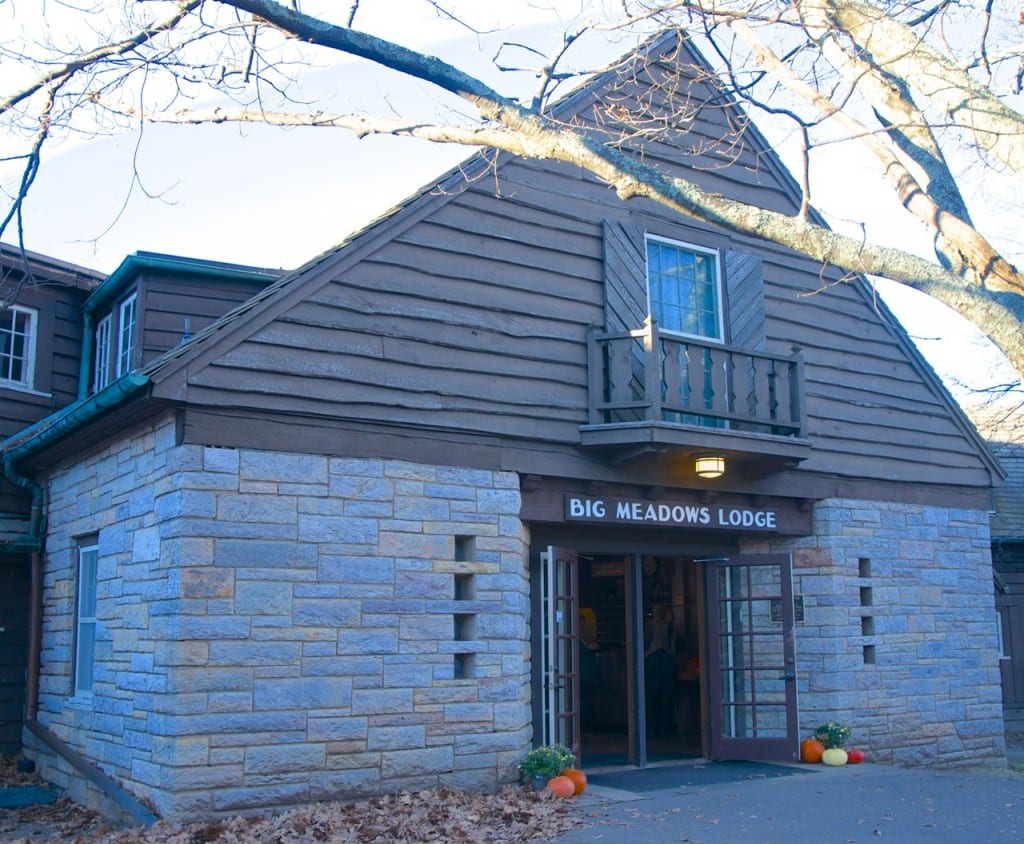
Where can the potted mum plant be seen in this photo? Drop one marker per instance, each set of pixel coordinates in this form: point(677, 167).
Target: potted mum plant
point(833, 736)
point(544, 763)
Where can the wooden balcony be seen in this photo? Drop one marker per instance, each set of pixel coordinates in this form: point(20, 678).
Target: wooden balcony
point(656, 392)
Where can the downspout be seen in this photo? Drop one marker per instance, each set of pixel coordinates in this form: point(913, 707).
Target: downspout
point(85, 359)
point(35, 538)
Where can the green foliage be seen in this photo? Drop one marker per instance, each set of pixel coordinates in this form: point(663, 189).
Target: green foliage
point(546, 761)
point(832, 734)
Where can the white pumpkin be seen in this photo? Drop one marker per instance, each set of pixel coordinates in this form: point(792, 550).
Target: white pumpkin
point(834, 756)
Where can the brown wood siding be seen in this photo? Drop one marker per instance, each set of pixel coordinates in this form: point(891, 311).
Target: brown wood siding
point(169, 298)
point(55, 384)
point(472, 317)
point(471, 321)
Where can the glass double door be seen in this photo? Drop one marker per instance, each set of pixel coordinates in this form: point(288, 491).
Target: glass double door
point(649, 657)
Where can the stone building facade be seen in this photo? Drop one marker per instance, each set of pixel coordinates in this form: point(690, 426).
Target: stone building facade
point(280, 628)
point(277, 628)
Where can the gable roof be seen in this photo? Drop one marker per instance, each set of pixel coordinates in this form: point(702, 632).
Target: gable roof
point(167, 376)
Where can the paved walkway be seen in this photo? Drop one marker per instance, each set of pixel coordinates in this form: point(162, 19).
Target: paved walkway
point(848, 805)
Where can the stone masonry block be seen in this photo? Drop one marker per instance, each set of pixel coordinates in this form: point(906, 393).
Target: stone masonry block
point(395, 738)
point(412, 763)
point(205, 582)
point(353, 569)
point(263, 597)
point(303, 693)
point(284, 758)
point(283, 467)
point(237, 507)
point(333, 729)
point(381, 701)
point(415, 545)
point(325, 612)
point(256, 554)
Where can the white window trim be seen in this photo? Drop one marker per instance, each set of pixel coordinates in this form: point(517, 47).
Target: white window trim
point(720, 292)
point(101, 350)
point(999, 633)
point(126, 334)
point(85, 616)
point(31, 340)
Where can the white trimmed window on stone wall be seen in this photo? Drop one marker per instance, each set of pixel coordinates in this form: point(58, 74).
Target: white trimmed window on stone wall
point(85, 618)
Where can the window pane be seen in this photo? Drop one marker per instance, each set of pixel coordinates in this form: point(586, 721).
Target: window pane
point(85, 632)
point(87, 584)
point(17, 345)
point(84, 656)
point(683, 289)
point(126, 336)
point(101, 364)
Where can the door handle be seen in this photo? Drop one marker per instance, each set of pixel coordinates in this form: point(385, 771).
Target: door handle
point(789, 675)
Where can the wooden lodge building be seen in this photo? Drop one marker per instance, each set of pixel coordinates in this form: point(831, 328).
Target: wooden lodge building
point(518, 463)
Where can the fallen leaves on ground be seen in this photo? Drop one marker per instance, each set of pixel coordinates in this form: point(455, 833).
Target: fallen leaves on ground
point(510, 815)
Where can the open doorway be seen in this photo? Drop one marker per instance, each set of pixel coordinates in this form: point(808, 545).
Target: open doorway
point(654, 686)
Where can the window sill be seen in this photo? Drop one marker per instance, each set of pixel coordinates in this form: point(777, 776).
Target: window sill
point(14, 387)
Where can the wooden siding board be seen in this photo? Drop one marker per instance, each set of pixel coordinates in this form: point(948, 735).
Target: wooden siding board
point(324, 376)
point(524, 203)
point(375, 295)
point(441, 242)
point(340, 332)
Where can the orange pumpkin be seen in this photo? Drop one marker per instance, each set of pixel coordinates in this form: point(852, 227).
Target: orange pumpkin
point(811, 750)
point(579, 779)
point(561, 786)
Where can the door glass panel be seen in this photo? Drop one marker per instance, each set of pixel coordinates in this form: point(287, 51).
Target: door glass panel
point(561, 716)
point(753, 657)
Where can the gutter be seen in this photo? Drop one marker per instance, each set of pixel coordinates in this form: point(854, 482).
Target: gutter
point(64, 422)
point(35, 438)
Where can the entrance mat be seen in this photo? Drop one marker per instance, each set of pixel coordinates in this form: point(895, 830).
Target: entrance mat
point(662, 778)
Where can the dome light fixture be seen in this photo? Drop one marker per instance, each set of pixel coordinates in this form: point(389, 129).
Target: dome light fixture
point(709, 466)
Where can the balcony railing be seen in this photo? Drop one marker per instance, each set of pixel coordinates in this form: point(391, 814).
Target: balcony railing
point(646, 376)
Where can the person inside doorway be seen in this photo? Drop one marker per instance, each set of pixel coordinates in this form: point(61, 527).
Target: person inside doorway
point(660, 673)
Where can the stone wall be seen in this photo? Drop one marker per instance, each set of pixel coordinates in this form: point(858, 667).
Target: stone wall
point(899, 638)
point(280, 628)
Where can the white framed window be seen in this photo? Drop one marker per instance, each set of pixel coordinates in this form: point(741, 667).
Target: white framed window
point(684, 289)
point(18, 329)
point(85, 619)
point(126, 335)
point(1001, 618)
point(101, 354)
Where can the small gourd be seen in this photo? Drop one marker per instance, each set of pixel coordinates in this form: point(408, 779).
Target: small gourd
point(561, 786)
point(579, 779)
point(811, 750)
point(835, 756)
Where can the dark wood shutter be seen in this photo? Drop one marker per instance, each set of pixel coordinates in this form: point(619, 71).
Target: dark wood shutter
point(625, 277)
point(744, 299)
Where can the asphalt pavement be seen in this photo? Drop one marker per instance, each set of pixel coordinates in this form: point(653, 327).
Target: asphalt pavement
point(841, 805)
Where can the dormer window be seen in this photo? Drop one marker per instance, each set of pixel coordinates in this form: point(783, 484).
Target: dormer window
point(101, 354)
point(126, 335)
point(17, 346)
point(111, 361)
point(684, 291)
